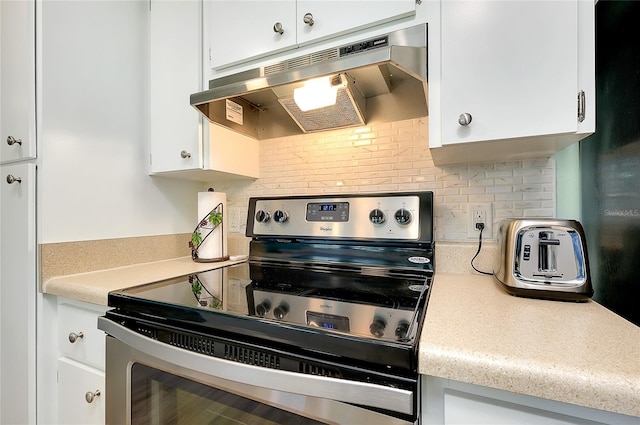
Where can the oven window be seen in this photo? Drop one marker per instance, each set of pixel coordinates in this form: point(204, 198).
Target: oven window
point(159, 398)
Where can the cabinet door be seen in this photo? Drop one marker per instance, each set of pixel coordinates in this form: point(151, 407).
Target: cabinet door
point(510, 65)
point(79, 336)
point(243, 30)
point(175, 73)
point(18, 293)
point(17, 80)
point(333, 18)
point(75, 380)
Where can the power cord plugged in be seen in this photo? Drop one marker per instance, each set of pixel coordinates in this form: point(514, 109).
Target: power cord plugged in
point(479, 226)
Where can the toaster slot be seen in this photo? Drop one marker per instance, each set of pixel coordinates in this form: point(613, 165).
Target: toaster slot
point(547, 259)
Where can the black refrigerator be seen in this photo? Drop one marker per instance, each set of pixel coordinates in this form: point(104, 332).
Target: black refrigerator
point(610, 162)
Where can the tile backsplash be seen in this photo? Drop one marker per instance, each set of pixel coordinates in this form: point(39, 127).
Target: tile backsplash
point(395, 157)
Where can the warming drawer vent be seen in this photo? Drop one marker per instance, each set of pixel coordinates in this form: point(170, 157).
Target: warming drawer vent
point(193, 343)
point(147, 331)
point(312, 369)
point(252, 357)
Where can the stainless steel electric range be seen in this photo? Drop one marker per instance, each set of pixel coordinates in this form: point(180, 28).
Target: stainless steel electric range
point(320, 325)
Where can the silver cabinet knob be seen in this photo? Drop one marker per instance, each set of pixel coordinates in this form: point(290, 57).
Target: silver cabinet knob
point(278, 28)
point(11, 179)
point(185, 155)
point(73, 337)
point(12, 141)
point(465, 119)
point(90, 396)
point(308, 19)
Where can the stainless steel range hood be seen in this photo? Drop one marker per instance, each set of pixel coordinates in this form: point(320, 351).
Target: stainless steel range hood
point(380, 79)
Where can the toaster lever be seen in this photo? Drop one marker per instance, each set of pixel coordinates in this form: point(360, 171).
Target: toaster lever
point(547, 242)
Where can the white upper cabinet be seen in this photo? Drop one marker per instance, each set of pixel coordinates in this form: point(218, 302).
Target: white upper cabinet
point(511, 73)
point(246, 30)
point(175, 72)
point(182, 143)
point(511, 65)
point(17, 81)
point(243, 30)
point(333, 18)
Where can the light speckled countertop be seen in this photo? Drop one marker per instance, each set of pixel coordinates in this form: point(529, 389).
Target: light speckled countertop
point(94, 287)
point(579, 353)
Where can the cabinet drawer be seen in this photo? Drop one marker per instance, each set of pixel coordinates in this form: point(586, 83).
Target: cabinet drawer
point(80, 324)
point(75, 380)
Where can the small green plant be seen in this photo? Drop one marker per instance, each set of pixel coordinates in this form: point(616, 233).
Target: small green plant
point(196, 286)
point(196, 239)
point(216, 304)
point(196, 289)
point(214, 218)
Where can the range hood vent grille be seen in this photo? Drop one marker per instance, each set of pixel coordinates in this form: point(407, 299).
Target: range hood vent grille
point(347, 112)
point(302, 61)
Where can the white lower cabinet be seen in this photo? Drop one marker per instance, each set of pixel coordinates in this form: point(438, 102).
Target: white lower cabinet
point(454, 403)
point(80, 393)
point(81, 363)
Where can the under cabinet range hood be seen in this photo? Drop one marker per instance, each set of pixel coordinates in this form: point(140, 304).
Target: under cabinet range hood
point(379, 79)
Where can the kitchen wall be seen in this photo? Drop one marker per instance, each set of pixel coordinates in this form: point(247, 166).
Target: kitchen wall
point(93, 129)
point(395, 157)
point(93, 174)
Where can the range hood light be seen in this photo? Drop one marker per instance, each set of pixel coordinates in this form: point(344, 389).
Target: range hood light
point(315, 94)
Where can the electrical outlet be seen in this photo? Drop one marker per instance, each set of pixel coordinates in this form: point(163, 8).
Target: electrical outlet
point(236, 220)
point(479, 217)
point(480, 213)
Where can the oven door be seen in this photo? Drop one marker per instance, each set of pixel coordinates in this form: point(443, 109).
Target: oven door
point(150, 382)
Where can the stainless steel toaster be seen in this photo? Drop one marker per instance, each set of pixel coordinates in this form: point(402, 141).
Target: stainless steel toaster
point(544, 258)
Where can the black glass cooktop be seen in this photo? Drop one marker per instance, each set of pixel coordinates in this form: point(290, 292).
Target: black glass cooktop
point(227, 300)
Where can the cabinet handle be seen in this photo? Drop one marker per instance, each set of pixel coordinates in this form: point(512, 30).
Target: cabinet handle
point(90, 396)
point(11, 179)
point(278, 28)
point(582, 105)
point(308, 19)
point(465, 119)
point(185, 155)
point(73, 337)
point(12, 141)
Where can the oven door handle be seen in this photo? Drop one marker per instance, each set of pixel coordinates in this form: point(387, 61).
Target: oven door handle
point(360, 393)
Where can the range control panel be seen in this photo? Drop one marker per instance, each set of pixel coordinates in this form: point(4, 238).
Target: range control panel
point(389, 216)
point(365, 320)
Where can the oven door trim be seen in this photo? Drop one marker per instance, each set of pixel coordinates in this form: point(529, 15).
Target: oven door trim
point(358, 393)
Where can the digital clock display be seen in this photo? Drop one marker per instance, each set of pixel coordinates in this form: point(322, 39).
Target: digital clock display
point(328, 321)
point(334, 212)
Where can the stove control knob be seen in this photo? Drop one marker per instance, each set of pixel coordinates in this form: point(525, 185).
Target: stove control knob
point(281, 311)
point(403, 216)
point(262, 216)
point(377, 328)
point(263, 308)
point(377, 216)
point(280, 216)
point(402, 330)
